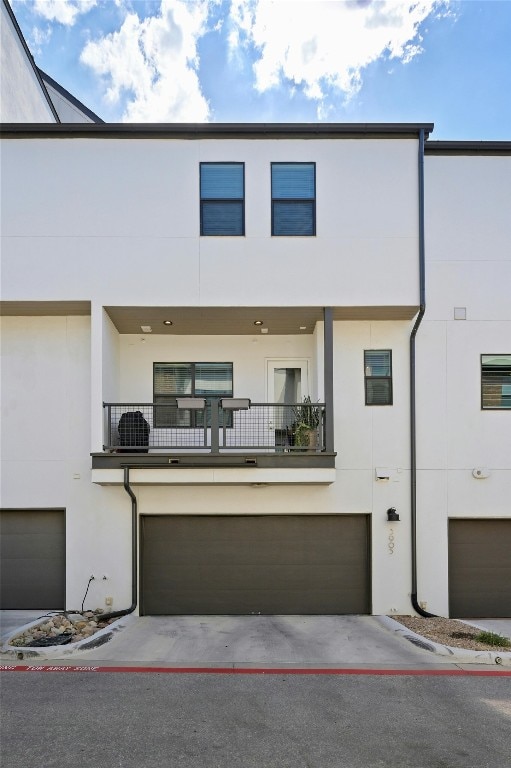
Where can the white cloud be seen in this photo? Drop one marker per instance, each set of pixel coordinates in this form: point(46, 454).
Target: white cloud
point(38, 38)
point(63, 11)
point(155, 62)
point(323, 44)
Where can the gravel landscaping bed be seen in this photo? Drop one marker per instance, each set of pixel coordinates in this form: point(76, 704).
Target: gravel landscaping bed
point(61, 629)
point(451, 632)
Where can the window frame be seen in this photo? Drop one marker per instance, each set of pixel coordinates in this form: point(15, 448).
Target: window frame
point(496, 407)
point(171, 398)
point(292, 200)
point(388, 378)
point(226, 200)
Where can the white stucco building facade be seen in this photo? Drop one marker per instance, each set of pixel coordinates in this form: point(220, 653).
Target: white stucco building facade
point(364, 266)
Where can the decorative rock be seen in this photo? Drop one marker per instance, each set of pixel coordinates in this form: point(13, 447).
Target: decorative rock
point(74, 617)
point(79, 625)
point(76, 626)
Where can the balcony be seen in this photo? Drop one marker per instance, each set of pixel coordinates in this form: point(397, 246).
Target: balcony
point(225, 433)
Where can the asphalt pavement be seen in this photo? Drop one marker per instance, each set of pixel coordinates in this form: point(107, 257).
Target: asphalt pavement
point(151, 720)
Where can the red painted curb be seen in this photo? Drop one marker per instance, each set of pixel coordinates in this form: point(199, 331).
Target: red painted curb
point(262, 671)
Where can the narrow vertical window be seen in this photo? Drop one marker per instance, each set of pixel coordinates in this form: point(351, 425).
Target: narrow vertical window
point(495, 382)
point(293, 199)
point(378, 376)
point(222, 199)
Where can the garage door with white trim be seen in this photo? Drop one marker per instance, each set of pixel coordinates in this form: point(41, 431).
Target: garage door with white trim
point(237, 565)
point(33, 559)
point(479, 568)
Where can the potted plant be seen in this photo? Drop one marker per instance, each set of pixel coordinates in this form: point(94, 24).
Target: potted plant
point(306, 423)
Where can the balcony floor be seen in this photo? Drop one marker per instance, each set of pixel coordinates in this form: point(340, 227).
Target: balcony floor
point(307, 467)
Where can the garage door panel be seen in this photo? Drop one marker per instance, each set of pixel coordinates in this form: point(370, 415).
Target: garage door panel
point(242, 579)
point(46, 545)
point(225, 602)
point(480, 568)
point(256, 564)
point(32, 559)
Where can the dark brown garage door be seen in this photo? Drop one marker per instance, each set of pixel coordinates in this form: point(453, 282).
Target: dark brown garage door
point(33, 564)
point(255, 564)
point(480, 568)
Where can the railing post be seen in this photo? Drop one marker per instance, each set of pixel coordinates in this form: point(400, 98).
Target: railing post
point(321, 430)
point(215, 425)
point(328, 355)
point(107, 433)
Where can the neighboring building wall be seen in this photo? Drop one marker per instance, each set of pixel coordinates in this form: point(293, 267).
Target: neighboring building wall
point(468, 233)
point(23, 98)
point(45, 442)
point(69, 109)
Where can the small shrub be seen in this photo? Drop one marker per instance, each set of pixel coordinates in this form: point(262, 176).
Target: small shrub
point(492, 638)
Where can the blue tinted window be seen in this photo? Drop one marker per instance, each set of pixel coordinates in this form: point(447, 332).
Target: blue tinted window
point(222, 198)
point(293, 218)
point(221, 181)
point(293, 191)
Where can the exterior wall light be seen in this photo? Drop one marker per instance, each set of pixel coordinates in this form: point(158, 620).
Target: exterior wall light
point(191, 403)
point(235, 403)
point(392, 515)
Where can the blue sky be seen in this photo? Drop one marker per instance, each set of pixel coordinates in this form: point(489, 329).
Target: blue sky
point(440, 61)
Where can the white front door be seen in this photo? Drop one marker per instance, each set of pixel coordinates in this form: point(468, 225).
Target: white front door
point(287, 385)
point(287, 381)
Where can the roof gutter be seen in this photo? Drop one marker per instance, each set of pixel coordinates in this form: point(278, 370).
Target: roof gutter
point(413, 420)
point(190, 131)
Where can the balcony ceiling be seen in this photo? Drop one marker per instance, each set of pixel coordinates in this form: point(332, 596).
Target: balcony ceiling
point(221, 321)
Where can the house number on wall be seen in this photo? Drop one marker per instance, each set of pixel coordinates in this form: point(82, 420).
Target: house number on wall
point(391, 541)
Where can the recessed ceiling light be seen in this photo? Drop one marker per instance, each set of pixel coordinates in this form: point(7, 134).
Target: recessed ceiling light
point(146, 329)
point(258, 322)
point(167, 322)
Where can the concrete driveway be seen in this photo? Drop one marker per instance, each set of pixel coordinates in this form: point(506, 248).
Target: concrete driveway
point(202, 641)
point(257, 640)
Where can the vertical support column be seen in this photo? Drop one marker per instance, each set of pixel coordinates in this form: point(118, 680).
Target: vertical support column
point(328, 343)
point(215, 425)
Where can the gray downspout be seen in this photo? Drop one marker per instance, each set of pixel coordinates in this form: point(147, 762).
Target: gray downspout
point(134, 547)
point(413, 421)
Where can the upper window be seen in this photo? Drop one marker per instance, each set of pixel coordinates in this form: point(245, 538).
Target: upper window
point(172, 380)
point(293, 199)
point(495, 381)
point(378, 376)
point(222, 199)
